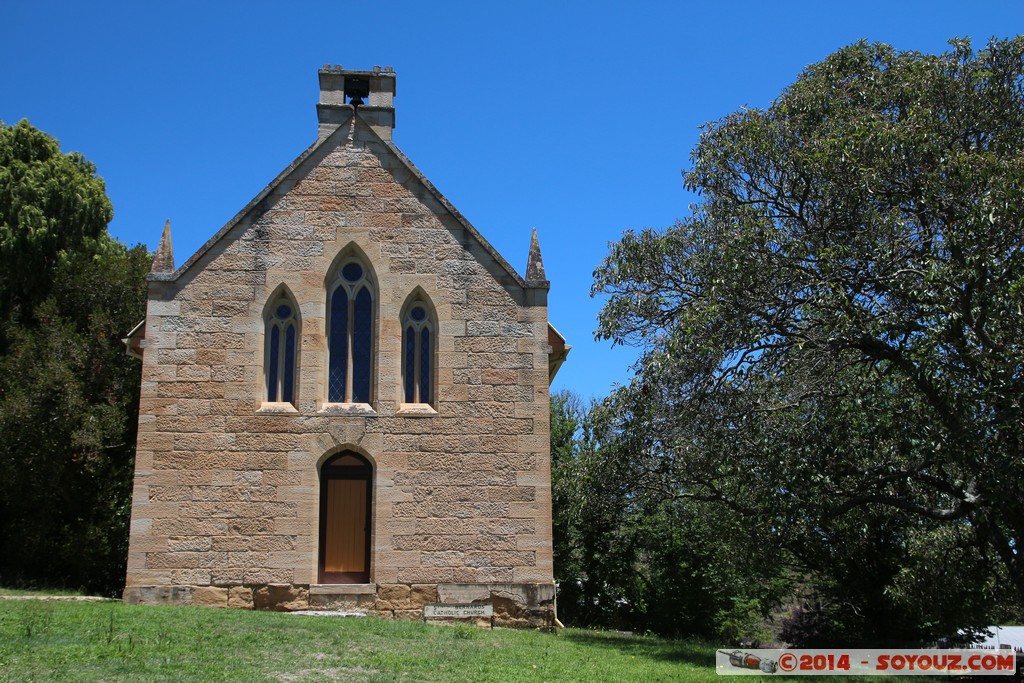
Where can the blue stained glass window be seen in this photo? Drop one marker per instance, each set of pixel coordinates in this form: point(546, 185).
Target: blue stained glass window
point(288, 386)
point(272, 371)
point(425, 365)
point(350, 337)
point(282, 353)
point(362, 342)
point(417, 354)
point(352, 272)
point(410, 365)
point(338, 347)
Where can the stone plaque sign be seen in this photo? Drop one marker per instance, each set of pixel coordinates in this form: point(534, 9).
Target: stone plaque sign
point(457, 610)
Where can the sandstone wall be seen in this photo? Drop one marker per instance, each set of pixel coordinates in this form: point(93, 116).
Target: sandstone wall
point(226, 497)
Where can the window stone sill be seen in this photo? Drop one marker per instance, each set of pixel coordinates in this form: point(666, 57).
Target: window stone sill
point(276, 408)
point(415, 410)
point(357, 409)
point(343, 589)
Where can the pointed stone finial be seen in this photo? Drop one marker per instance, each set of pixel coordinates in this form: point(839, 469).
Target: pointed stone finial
point(535, 264)
point(163, 261)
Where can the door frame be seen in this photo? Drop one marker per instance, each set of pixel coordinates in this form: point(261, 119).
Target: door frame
point(331, 471)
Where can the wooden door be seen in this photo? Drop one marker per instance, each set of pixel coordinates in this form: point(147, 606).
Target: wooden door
point(345, 505)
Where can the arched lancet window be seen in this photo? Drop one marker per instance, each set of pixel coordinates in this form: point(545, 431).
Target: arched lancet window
point(281, 342)
point(418, 344)
point(350, 334)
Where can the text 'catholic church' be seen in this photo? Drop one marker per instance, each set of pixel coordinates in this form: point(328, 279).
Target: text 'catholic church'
point(345, 396)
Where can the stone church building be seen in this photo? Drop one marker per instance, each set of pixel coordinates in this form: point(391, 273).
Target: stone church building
point(345, 396)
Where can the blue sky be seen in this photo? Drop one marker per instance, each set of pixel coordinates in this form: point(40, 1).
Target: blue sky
point(573, 117)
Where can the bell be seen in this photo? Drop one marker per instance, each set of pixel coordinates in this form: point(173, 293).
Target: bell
point(356, 89)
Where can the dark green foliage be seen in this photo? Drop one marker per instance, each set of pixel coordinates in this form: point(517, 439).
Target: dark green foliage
point(68, 391)
point(594, 543)
point(50, 203)
point(834, 340)
point(630, 555)
point(703, 572)
point(807, 627)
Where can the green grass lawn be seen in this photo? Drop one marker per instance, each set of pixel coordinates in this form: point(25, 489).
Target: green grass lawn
point(63, 641)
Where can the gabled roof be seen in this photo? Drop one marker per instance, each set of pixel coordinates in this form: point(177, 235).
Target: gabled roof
point(134, 342)
point(293, 172)
point(559, 351)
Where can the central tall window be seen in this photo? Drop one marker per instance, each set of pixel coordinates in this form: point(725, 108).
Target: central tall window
point(350, 334)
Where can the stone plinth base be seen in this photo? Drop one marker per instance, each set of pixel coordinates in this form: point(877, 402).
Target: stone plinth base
point(516, 605)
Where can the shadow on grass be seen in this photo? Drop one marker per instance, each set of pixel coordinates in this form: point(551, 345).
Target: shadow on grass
point(22, 589)
point(695, 653)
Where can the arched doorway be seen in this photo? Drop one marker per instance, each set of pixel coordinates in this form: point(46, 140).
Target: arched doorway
point(346, 501)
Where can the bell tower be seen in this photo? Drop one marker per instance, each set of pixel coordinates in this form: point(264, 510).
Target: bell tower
point(370, 95)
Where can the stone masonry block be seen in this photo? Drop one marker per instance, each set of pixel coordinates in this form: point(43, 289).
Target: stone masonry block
point(392, 597)
point(281, 597)
point(210, 596)
point(240, 597)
